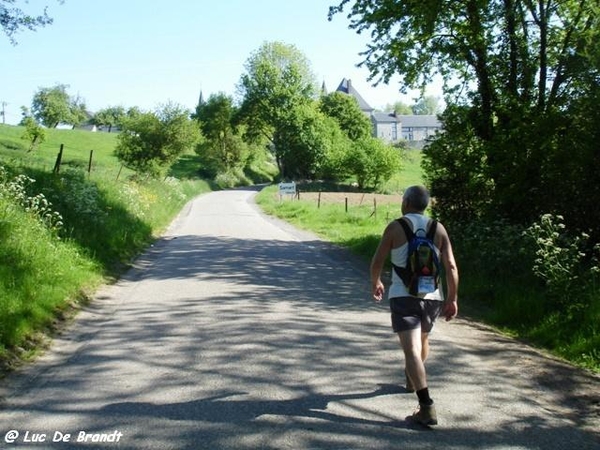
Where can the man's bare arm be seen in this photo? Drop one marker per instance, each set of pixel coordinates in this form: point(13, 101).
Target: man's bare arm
point(451, 303)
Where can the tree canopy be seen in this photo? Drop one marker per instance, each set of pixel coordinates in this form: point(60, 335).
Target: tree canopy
point(346, 111)
point(150, 141)
point(12, 19)
point(222, 148)
point(52, 106)
point(109, 117)
point(277, 79)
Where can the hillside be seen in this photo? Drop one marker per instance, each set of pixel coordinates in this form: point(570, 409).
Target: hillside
point(62, 234)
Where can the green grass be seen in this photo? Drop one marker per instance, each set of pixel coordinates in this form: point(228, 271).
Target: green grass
point(410, 175)
point(39, 277)
point(109, 218)
point(77, 145)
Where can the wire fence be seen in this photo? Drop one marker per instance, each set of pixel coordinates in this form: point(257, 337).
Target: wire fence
point(376, 204)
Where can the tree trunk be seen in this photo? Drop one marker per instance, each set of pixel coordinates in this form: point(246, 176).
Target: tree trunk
point(480, 63)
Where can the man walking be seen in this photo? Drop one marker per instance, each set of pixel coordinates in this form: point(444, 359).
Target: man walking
point(413, 316)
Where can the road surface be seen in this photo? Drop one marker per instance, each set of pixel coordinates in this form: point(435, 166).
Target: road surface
point(237, 331)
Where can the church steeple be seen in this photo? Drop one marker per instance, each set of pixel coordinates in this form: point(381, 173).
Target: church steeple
point(323, 89)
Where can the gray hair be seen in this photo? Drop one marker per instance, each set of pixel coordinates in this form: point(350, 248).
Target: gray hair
point(417, 197)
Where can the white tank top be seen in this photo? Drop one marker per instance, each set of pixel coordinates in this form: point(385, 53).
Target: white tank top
point(398, 257)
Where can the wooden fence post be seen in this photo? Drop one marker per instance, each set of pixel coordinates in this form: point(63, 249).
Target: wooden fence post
point(58, 160)
point(319, 201)
point(90, 163)
point(346, 201)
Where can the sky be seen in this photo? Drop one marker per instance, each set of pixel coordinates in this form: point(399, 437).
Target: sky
point(146, 53)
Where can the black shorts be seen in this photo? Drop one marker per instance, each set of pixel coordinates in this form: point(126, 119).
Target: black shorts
point(410, 313)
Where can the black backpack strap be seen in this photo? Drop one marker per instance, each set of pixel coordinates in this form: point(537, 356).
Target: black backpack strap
point(407, 229)
point(403, 272)
point(432, 230)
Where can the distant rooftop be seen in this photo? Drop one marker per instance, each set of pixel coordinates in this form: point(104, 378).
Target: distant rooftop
point(381, 117)
point(419, 120)
point(347, 88)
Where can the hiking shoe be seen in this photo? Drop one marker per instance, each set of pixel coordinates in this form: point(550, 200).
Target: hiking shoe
point(425, 415)
point(409, 385)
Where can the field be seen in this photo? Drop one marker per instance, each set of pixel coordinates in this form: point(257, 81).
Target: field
point(352, 198)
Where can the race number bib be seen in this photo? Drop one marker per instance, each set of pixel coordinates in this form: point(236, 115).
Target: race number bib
point(426, 285)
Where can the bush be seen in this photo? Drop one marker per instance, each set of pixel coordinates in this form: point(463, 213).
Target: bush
point(372, 162)
point(569, 274)
point(536, 281)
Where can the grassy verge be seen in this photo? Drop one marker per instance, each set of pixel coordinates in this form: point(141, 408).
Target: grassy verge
point(99, 221)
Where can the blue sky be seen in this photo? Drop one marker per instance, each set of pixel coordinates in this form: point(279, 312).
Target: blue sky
point(147, 52)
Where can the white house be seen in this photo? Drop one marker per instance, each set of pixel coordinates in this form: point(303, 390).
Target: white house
point(392, 127)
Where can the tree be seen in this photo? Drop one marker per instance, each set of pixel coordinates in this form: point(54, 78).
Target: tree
point(78, 111)
point(372, 162)
point(346, 111)
point(277, 80)
point(150, 142)
point(400, 108)
point(34, 133)
point(502, 53)
point(222, 148)
point(428, 104)
point(309, 144)
point(109, 117)
point(53, 106)
point(13, 19)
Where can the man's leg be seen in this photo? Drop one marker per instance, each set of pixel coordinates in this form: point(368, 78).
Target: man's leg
point(416, 349)
point(410, 387)
point(412, 346)
point(424, 346)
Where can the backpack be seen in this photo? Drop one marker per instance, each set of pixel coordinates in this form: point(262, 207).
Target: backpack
point(422, 272)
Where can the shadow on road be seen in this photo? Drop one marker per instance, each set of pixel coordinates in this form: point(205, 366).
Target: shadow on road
point(277, 342)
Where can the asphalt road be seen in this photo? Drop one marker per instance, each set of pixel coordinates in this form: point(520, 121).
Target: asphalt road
point(237, 331)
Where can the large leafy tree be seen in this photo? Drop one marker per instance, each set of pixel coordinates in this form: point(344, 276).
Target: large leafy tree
point(309, 142)
point(277, 80)
point(346, 111)
point(517, 73)
point(150, 141)
point(13, 18)
point(222, 148)
point(372, 162)
point(53, 106)
point(501, 53)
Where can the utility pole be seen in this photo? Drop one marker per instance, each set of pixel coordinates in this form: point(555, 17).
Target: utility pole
point(3, 112)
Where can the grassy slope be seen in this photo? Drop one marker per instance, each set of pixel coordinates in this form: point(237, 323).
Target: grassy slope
point(106, 223)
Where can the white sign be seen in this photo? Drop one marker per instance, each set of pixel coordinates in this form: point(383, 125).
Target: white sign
point(287, 188)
